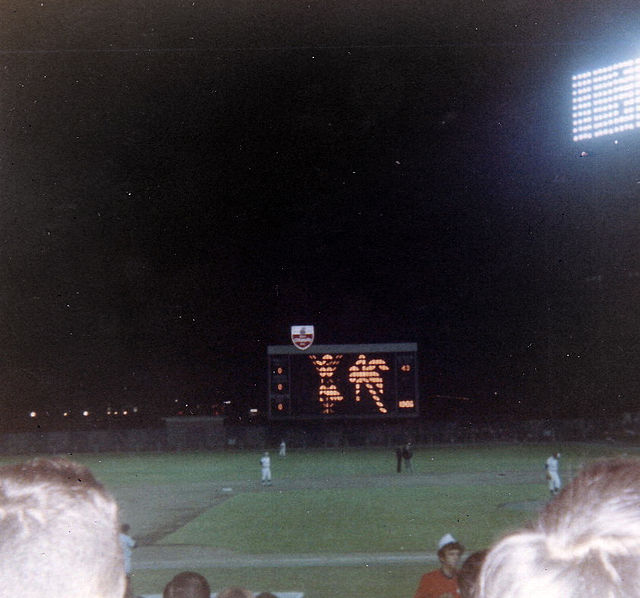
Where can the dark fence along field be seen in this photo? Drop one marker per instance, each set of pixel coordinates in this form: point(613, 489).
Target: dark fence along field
point(210, 433)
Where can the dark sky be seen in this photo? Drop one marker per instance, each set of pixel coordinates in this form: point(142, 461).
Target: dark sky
point(183, 181)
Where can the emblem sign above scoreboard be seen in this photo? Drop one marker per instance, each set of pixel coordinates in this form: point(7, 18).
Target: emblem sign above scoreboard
point(302, 337)
point(348, 381)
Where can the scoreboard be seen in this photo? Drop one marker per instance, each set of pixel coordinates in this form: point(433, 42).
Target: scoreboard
point(343, 381)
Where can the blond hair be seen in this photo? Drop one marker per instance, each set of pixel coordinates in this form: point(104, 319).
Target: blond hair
point(58, 533)
point(585, 543)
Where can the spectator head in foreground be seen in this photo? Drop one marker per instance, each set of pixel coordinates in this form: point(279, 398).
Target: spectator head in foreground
point(586, 542)
point(468, 573)
point(235, 592)
point(187, 584)
point(58, 533)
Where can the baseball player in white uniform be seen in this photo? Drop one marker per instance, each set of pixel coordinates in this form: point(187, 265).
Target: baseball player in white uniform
point(265, 465)
point(551, 465)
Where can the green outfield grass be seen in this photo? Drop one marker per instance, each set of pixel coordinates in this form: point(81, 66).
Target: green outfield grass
point(364, 515)
point(182, 468)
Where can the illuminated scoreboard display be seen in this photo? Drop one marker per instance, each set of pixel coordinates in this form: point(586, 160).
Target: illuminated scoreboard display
point(343, 381)
point(606, 101)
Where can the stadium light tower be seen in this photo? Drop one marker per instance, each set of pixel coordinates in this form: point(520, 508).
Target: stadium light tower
point(606, 101)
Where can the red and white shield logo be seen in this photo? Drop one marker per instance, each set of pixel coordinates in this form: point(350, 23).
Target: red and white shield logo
point(302, 336)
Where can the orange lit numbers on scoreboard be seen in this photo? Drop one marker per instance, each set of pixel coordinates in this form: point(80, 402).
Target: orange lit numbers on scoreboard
point(343, 381)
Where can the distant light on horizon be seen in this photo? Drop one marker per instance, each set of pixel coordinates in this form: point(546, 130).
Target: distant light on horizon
point(606, 101)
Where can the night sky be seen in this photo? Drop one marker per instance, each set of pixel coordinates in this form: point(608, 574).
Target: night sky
point(183, 181)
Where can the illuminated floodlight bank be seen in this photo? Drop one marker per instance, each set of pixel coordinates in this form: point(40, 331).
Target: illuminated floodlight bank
point(606, 101)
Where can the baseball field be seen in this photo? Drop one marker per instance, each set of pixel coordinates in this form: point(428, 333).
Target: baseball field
point(339, 522)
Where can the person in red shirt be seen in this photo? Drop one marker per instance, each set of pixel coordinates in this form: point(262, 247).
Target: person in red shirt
point(443, 582)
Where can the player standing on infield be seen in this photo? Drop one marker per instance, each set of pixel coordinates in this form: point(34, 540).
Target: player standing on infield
point(553, 477)
point(265, 466)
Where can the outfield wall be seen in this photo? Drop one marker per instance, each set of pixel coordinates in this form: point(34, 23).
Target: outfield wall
point(207, 433)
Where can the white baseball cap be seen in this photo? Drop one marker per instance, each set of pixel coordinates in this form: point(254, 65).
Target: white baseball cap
point(446, 539)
